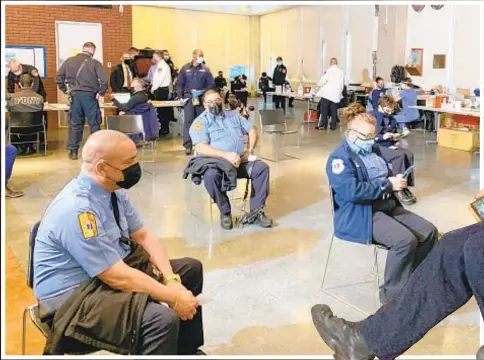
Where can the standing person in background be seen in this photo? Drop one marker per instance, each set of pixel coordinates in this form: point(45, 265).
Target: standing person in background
point(194, 79)
point(279, 78)
point(134, 55)
point(408, 98)
point(160, 88)
point(84, 80)
point(174, 70)
point(331, 92)
point(121, 76)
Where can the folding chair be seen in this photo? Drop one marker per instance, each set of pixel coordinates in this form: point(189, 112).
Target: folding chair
point(27, 124)
point(274, 122)
point(375, 270)
point(132, 125)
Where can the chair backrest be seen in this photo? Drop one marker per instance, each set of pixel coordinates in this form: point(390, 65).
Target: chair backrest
point(26, 119)
point(272, 117)
point(30, 270)
point(127, 124)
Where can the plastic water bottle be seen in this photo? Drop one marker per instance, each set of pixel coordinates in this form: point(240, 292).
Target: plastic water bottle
point(300, 90)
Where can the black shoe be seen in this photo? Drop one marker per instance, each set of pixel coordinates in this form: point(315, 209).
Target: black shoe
point(73, 155)
point(410, 195)
point(188, 150)
point(260, 218)
point(30, 151)
point(342, 336)
point(480, 354)
point(291, 105)
point(226, 221)
point(404, 198)
point(200, 353)
point(321, 128)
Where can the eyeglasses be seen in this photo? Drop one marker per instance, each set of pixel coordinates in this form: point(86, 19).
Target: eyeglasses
point(364, 136)
point(211, 102)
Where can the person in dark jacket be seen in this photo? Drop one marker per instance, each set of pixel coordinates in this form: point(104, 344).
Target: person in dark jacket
point(171, 64)
point(194, 79)
point(264, 87)
point(278, 79)
point(121, 76)
point(376, 94)
point(139, 104)
point(219, 133)
point(88, 232)
point(388, 138)
point(16, 70)
point(366, 209)
point(221, 85)
point(84, 80)
point(444, 282)
point(239, 88)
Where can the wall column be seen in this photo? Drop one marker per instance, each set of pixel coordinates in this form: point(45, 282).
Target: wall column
point(254, 51)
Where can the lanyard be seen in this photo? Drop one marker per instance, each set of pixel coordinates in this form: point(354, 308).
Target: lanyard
point(114, 203)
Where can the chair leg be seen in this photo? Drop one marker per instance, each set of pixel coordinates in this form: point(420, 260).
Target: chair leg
point(24, 330)
point(377, 276)
point(210, 204)
point(327, 262)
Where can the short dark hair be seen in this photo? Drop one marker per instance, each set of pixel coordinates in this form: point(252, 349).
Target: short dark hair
point(89, 44)
point(264, 74)
point(26, 80)
point(244, 77)
point(132, 48)
point(220, 71)
point(407, 81)
point(279, 58)
point(379, 79)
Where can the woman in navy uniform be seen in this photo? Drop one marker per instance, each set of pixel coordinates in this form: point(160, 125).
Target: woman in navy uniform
point(366, 208)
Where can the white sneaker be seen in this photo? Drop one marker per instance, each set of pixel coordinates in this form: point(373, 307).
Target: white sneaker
point(405, 132)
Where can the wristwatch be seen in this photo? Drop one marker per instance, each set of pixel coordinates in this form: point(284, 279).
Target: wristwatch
point(175, 277)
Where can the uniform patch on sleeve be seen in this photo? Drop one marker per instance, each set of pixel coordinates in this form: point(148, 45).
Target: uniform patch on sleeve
point(87, 221)
point(198, 126)
point(337, 166)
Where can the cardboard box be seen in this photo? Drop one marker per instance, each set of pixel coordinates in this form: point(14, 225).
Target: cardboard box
point(459, 139)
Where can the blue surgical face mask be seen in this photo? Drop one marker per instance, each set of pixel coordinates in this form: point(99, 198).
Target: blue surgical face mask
point(366, 146)
point(200, 59)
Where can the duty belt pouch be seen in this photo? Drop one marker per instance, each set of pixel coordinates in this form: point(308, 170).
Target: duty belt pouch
point(195, 100)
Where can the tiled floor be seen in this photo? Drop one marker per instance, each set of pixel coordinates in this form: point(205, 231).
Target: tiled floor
point(262, 282)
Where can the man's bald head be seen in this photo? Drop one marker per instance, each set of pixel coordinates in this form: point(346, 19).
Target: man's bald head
point(106, 154)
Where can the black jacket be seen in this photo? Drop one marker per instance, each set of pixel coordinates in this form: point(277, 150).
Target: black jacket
point(92, 77)
point(116, 80)
point(97, 317)
point(264, 83)
point(38, 86)
point(220, 82)
point(280, 73)
point(198, 165)
point(135, 99)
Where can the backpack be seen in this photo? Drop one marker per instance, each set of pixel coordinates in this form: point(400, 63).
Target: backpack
point(397, 74)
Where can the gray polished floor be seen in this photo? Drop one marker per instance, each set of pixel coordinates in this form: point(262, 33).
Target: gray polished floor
point(262, 283)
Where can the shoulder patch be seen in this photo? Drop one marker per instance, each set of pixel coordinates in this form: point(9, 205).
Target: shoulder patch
point(87, 221)
point(337, 166)
point(198, 126)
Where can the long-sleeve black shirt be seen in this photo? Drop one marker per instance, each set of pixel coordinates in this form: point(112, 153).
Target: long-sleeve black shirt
point(38, 86)
point(135, 99)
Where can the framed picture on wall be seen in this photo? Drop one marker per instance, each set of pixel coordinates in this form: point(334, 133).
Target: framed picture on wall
point(414, 64)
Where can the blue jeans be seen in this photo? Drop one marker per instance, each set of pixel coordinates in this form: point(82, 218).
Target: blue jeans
point(84, 105)
point(10, 155)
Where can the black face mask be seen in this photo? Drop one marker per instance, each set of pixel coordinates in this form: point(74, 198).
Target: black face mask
point(131, 174)
point(216, 109)
point(127, 62)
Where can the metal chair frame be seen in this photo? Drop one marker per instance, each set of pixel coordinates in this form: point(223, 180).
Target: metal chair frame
point(10, 133)
point(133, 125)
point(375, 270)
point(276, 123)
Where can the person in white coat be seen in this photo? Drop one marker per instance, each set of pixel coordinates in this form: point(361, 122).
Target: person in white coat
point(331, 92)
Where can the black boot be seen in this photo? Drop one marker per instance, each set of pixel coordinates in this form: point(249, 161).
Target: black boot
point(188, 150)
point(258, 217)
point(226, 221)
point(73, 155)
point(342, 336)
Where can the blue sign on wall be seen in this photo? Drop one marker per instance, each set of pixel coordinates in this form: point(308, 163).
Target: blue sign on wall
point(237, 70)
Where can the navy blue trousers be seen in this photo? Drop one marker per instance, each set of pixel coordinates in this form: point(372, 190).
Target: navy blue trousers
point(84, 105)
point(259, 176)
point(190, 113)
point(451, 274)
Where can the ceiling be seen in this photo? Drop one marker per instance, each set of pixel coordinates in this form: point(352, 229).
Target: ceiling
point(233, 9)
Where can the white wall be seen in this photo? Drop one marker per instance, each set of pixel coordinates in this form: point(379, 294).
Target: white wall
point(454, 31)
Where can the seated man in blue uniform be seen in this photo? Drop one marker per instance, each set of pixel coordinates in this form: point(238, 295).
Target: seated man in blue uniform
point(91, 235)
point(408, 97)
point(220, 134)
point(366, 209)
point(400, 159)
point(376, 94)
point(446, 280)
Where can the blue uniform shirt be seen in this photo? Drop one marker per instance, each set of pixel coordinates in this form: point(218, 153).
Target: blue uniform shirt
point(78, 237)
point(409, 98)
point(193, 78)
point(225, 133)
